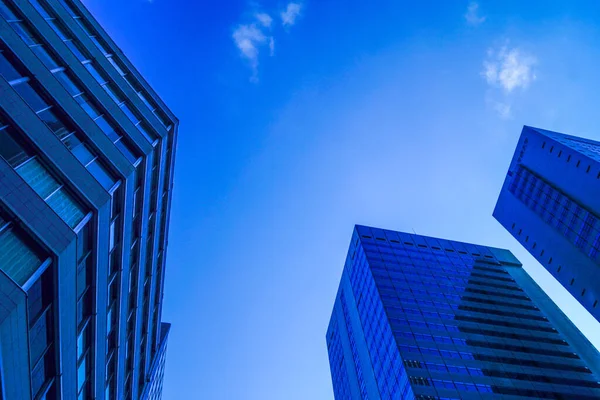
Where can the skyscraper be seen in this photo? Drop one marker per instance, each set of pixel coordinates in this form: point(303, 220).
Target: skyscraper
point(550, 202)
point(417, 317)
point(86, 170)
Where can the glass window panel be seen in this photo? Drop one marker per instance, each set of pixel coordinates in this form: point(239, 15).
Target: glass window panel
point(45, 57)
point(39, 295)
point(107, 128)
point(38, 177)
point(72, 142)
point(24, 32)
point(84, 241)
point(83, 341)
point(31, 97)
point(84, 275)
point(83, 154)
point(164, 120)
point(7, 12)
point(101, 175)
point(130, 114)
point(84, 25)
point(144, 129)
point(57, 28)
point(11, 150)
point(7, 69)
point(69, 8)
point(55, 124)
point(66, 207)
point(68, 83)
point(95, 73)
point(40, 336)
point(82, 372)
point(126, 150)
point(87, 106)
point(50, 393)
point(40, 9)
point(99, 44)
point(113, 93)
point(17, 258)
point(76, 50)
point(112, 239)
point(145, 100)
point(117, 65)
point(43, 371)
point(84, 307)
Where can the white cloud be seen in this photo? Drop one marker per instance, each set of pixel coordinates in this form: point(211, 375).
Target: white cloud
point(271, 46)
point(288, 17)
point(472, 16)
point(248, 39)
point(258, 33)
point(509, 69)
point(502, 109)
point(264, 19)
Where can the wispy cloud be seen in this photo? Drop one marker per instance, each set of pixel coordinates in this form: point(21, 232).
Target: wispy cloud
point(503, 109)
point(509, 69)
point(265, 19)
point(505, 71)
point(260, 32)
point(472, 16)
point(248, 39)
point(271, 46)
point(292, 11)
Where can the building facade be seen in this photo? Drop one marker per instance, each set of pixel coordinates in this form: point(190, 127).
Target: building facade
point(550, 202)
point(423, 318)
point(86, 172)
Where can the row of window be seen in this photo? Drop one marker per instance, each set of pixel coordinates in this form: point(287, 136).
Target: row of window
point(353, 348)
point(424, 268)
point(27, 164)
point(391, 378)
point(339, 375)
point(42, 349)
point(484, 344)
point(54, 118)
point(100, 77)
point(575, 223)
point(431, 292)
point(398, 324)
point(401, 303)
point(481, 388)
point(116, 63)
point(434, 248)
point(458, 369)
point(90, 106)
point(20, 257)
point(432, 280)
point(450, 354)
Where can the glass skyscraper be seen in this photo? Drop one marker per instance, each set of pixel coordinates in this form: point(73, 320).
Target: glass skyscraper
point(86, 171)
point(418, 317)
point(550, 202)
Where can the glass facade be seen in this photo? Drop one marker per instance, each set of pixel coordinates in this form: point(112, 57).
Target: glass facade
point(86, 172)
point(549, 205)
point(425, 318)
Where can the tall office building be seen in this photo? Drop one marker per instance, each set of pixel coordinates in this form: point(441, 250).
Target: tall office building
point(423, 318)
point(550, 202)
point(86, 171)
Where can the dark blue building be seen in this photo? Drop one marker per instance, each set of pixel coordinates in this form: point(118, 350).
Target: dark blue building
point(550, 202)
point(422, 318)
point(87, 152)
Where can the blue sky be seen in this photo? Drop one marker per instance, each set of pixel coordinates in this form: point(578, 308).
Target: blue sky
point(386, 113)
